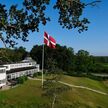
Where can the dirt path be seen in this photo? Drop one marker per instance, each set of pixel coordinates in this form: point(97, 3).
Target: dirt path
point(75, 86)
point(82, 87)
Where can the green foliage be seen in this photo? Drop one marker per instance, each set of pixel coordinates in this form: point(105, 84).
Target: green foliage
point(35, 75)
point(51, 65)
point(17, 22)
point(36, 54)
point(61, 57)
point(64, 58)
point(12, 55)
point(101, 59)
point(22, 79)
point(52, 89)
point(21, 53)
point(69, 14)
point(84, 62)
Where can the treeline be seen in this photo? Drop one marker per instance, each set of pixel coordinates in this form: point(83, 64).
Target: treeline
point(12, 55)
point(66, 59)
point(62, 58)
point(101, 59)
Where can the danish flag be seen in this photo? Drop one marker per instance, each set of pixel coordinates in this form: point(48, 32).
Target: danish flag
point(49, 41)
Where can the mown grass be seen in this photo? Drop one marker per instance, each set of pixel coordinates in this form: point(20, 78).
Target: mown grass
point(86, 98)
point(84, 81)
point(29, 95)
point(87, 82)
point(105, 64)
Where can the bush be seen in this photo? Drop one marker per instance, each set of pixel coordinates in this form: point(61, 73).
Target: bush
point(35, 75)
point(39, 73)
point(22, 79)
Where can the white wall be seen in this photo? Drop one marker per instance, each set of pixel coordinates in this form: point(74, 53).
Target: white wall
point(7, 67)
point(2, 76)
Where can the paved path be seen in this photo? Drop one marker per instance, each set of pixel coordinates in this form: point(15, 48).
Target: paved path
point(75, 86)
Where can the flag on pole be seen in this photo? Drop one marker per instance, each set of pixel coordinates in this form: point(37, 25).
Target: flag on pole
point(49, 40)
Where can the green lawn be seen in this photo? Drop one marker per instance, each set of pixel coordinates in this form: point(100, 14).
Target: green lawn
point(87, 82)
point(83, 81)
point(105, 64)
point(29, 95)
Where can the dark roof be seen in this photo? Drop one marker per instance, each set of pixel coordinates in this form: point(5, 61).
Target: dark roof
point(20, 69)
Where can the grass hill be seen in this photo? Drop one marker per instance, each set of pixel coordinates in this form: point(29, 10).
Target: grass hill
point(87, 82)
point(29, 95)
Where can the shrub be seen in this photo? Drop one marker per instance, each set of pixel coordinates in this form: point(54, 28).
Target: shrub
point(35, 74)
point(22, 79)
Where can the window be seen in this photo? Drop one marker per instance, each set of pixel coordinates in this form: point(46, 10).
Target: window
point(2, 71)
point(9, 77)
point(6, 67)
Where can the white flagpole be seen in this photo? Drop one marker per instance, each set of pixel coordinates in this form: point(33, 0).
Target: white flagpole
point(42, 64)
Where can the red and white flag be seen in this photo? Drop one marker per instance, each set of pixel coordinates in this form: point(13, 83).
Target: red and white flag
point(49, 41)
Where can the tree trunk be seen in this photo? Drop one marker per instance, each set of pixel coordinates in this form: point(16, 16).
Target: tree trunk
point(53, 101)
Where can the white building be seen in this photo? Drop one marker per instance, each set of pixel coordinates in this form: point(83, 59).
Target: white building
point(2, 76)
point(15, 70)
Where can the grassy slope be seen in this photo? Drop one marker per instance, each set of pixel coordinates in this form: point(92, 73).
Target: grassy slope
point(28, 95)
point(105, 64)
point(83, 81)
point(106, 83)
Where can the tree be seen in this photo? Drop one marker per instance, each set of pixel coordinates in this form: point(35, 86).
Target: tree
point(20, 53)
point(5, 55)
point(53, 89)
point(17, 23)
point(61, 57)
point(12, 55)
point(36, 54)
point(84, 62)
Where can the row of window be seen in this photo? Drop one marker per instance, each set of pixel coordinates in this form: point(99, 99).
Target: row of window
point(15, 75)
point(20, 65)
point(17, 65)
point(2, 70)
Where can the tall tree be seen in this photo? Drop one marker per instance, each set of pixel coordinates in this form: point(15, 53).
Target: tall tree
point(61, 57)
point(12, 55)
point(21, 52)
point(84, 62)
point(17, 22)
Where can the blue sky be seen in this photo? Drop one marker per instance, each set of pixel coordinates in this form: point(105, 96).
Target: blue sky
point(95, 40)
